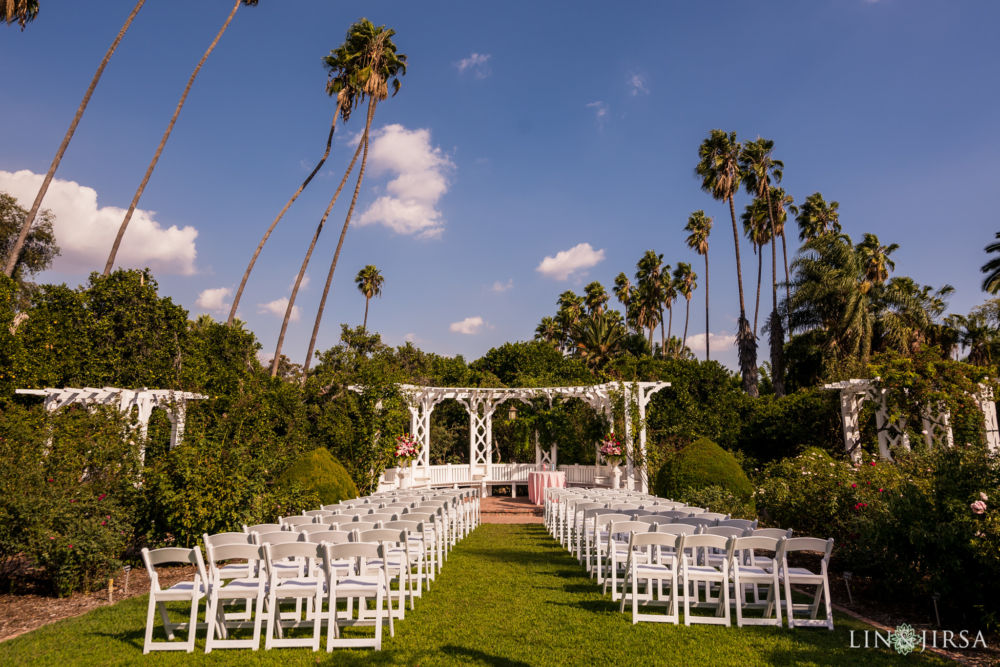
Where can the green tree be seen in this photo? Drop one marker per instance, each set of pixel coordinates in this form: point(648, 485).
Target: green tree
point(596, 298)
point(816, 217)
point(625, 293)
point(549, 330)
point(649, 277)
point(757, 228)
point(166, 135)
point(378, 65)
point(760, 169)
point(698, 227)
point(599, 337)
point(720, 173)
point(991, 268)
point(369, 281)
point(31, 7)
point(39, 246)
point(876, 260)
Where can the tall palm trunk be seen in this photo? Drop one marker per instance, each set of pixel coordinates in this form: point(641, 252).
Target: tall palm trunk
point(687, 314)
point(15, 251)
point(281, 214)
point(364, 324)
point(746, 342)
point(670, 324)
point(756, 305)
point(163, 142)
point(707, 335)
point(663, 338)
point(340, 243)
point(788, 287)
point(305, 263)
point(776, 328)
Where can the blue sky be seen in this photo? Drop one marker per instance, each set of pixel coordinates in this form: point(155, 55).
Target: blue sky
point(521, 131)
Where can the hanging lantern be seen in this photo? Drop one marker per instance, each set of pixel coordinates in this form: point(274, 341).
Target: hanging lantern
point(512, 413)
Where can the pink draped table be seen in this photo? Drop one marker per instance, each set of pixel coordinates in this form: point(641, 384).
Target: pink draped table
point(539, 481)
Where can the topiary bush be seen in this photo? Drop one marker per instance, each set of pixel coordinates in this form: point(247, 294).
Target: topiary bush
point(319, 472)
point(700, 465)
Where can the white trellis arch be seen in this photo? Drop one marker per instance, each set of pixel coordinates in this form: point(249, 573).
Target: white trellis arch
point(174, 402)
point(482, 402)
point(935, 423)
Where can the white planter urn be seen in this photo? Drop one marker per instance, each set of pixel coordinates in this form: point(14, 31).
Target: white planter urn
point(616, 476)
point(403, 472)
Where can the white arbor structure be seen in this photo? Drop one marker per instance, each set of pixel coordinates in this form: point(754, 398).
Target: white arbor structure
point(144, 400)
point(482, 402)
point(935, 423)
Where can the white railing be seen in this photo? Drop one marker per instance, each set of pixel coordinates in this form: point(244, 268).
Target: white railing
point(496, 473)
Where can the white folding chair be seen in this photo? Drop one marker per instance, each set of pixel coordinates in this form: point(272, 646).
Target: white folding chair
point(248, 588)
point(746, 524)
point(191, 590)
point(805, 577)
point(396, 562)
point(306, 585)
point(651, 559)
point(618, 553)
point(752, 570)
point(297, 520)
point(693, 575)
point(357, 581)
point(263, 528)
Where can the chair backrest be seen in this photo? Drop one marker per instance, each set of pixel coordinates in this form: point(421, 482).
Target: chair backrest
point(606, 517)
point(251, 553)
point(703, 542)
point(310, 528)
point(725, 531)
point(381, 516)
point(276, 552)
point(627, 527)
point(698, 520)
point(330, 536)
point(641, 512)
point(581, 508)
point(220, 539)
point(739, 523)
point(381, 535)
point(317, 513)
point(674, 514)
point(277, 537)
point(690, 524)
point(676, 528)
point(712, 515)
point(647, 539)
point(336, 507)
point(772, 532)
point(812, 544)
point(296, 520)
point(263, 528)
point(169, 556)
point(622, 507)
point(653, 519)
point(360, 526)
point(420, 516)
point(691, 509)
point(755, 543)
point(356, 511)
point(411, 527)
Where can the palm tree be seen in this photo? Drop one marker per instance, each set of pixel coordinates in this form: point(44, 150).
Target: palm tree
point(166, 135)
point(570, 311)
point(719, 169)
point(759, 170)
point(647, 309)
point(991, 268)
point(379, 63)
point(369, 281)
point(340, 64)
point(699, 225)
point(816, 217)
point(624, 292)
point(685, 279)
point(19, 11)
point(549, 330)
point(757, 228)
point(599, 337)
point(596, 298)
point(876, 259)
point(652, 288)
point(783, 204)
point(669, 296)
point(26, 10)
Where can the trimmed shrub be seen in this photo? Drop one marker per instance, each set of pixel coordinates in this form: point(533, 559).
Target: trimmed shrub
point(319, 472)
point(774, 428)
point(700, 465)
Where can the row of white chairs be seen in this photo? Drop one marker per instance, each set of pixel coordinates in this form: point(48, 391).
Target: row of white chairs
point(325, 565)
point(640, 551)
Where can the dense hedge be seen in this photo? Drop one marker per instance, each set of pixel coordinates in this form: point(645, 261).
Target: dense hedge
point(699, 465)
point(321, 474)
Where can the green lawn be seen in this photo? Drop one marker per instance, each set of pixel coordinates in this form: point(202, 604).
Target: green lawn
point(508, 595)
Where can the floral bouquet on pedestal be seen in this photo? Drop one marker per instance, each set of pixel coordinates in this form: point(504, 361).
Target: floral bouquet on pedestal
point(406, 450)
point(612, 450)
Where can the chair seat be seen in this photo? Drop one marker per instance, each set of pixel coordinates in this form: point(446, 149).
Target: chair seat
point(234, 571)
point(298, 584)
point(800, 573)
point(181, 591)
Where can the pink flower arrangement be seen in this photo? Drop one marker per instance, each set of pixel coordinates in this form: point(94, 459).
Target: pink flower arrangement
point(611, 449)
point(978, 507)
point(406, 448)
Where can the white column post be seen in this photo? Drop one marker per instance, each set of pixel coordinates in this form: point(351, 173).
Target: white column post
point(630, 463)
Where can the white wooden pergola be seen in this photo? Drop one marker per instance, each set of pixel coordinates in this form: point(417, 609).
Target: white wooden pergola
point(144, 400)
point(935, 423)
point(482, 402)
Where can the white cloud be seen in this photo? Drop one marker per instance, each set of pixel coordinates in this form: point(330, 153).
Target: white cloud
point(85, 231)
point(567, 262)
point(720, 342)
point(303, 285)
point(468, 326)
point(410, 337)
point(213, 299)
point(477, 63)
point(421, 180)
point(637, 85)
point(600, 109)
point(500, 287)
point(278, 307)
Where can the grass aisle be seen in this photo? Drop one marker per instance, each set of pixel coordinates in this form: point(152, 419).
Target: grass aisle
point(508, 595)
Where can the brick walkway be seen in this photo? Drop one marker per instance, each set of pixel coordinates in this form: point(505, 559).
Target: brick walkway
point(503, 509)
